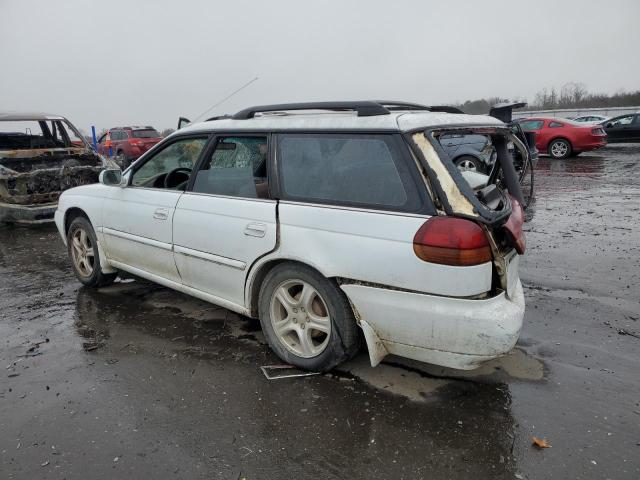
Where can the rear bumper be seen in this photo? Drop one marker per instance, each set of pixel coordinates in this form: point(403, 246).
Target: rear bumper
point(451, 332)
point(591, 145)
point(27, 214)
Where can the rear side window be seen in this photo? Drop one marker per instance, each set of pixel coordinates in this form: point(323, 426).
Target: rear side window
point(555, 124)
point(347, 169)
point(532, 125)
point(145, 133)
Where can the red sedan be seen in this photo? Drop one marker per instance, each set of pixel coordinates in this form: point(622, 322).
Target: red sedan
point(561, 138)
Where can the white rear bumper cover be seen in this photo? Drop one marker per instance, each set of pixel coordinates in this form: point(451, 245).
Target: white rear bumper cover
point(451, 332)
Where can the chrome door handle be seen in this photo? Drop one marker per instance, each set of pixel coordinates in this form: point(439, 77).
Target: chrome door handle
point(161, 213)
point(255, 229)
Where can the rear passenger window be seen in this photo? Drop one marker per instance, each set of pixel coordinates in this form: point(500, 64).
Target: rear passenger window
point(237, 167)
point(555, 124)
point(359, 170)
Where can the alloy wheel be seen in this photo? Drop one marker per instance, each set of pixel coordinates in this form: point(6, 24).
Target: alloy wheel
point(82, 252)
point(300, 318)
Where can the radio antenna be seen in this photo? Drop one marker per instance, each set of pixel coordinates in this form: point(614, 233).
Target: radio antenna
point(225, 98)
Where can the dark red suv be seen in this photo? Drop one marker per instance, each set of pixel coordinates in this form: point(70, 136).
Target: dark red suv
point(128, 143)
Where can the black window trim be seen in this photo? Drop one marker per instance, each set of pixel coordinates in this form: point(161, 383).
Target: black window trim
point(426, 206)
point(157, 148)
point(209, 148)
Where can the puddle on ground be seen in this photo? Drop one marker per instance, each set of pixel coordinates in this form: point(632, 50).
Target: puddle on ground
point(413, 380)
point(420, 382)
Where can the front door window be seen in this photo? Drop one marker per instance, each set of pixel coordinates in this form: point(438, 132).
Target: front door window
point(171, 167)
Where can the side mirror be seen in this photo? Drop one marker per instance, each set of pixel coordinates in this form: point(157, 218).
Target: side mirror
point(111, 177)
point(608, 125)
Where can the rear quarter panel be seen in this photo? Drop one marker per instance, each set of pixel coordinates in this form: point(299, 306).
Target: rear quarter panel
point(369, 246)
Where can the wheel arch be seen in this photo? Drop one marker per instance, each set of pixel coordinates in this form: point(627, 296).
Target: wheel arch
point(258, 273)
point(559, 137)
point(71, 214)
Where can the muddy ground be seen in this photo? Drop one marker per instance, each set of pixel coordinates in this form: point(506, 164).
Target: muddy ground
point(136, 381)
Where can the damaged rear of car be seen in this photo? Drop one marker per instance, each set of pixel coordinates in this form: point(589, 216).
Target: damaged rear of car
point(478, 231)
point(40, 157)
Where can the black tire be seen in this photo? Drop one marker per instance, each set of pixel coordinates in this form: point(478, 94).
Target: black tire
point(468, 162)
point(344, 340)
point(94, 278)
point(559, 149)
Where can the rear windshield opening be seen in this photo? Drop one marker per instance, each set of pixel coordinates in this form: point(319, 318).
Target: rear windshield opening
point(476, 153)
point(146, 133)
point(472, 169)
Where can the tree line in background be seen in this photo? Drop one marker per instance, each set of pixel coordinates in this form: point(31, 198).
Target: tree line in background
point(570, 95)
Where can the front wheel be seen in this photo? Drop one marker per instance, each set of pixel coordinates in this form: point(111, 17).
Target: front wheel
point(306, 318)
point(559, 149)
point(82, 247)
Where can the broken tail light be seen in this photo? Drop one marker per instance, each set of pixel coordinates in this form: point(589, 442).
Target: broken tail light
point(513, 227)
point(452, 241)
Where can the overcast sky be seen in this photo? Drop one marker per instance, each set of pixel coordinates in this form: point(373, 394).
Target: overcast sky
point(116, 62)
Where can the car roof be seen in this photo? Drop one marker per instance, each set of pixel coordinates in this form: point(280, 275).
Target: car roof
point(24, 116)
point(394, 121)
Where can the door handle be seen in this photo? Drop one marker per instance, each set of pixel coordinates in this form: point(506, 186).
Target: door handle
point(255, 229)
point(161, 213)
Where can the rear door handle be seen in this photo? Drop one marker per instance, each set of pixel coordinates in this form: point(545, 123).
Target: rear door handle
point(161, 213)
point(255, 229)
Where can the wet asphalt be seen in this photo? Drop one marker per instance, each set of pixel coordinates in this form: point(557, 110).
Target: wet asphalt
point(137, 381)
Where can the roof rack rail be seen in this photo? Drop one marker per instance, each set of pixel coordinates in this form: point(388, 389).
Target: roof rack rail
point(218, 117)
point(393, 105)
point(364, 109)
point(444, 109)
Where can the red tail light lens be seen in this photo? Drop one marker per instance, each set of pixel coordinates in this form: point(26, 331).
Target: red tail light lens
point(514, 225)
point(452, 241)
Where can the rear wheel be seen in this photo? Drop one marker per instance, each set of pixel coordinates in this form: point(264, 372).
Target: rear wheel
point(469, 163)
point(82, 247)
point(306, 318)
point(559, 148)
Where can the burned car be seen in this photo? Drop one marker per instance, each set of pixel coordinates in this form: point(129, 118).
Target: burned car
point(40, 157)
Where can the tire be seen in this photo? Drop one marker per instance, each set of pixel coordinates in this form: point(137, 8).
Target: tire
point(467, 162)
point(84, 255)
point(559, 149)
point(312, 301)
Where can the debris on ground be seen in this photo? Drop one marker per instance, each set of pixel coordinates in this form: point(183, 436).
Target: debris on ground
point(289, 371)
point(541, 443)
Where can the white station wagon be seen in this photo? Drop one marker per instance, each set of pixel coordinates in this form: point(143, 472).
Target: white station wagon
point(322, 220)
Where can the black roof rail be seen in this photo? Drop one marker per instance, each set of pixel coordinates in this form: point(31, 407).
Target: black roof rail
point(444, 109)
point(217, 117)
point(364, 108)
point(393, 105)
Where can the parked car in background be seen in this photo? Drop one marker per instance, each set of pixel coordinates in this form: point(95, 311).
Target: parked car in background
point(41, 156)
point(321, 219)
point(469, 152)
point(128, 143)
point(562, 138)
point(589, 119)
point(625, 128)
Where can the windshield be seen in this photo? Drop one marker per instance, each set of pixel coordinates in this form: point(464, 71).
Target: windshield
point(146, 133)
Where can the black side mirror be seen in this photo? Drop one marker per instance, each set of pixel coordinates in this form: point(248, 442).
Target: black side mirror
point(183, 122)
point(608, 125)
